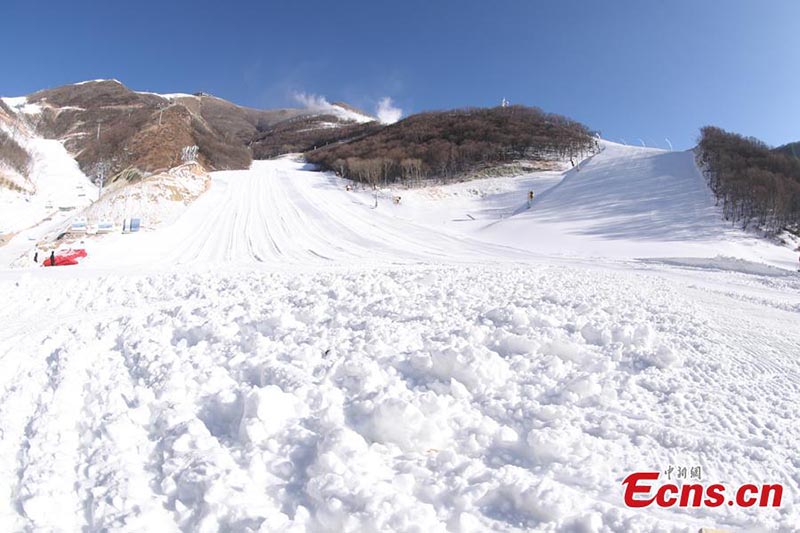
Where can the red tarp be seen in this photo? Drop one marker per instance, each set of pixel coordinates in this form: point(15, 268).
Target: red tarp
point(66, 257)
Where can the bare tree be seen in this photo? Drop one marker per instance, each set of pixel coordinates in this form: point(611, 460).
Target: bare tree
point(753, 184)
point(447, 145)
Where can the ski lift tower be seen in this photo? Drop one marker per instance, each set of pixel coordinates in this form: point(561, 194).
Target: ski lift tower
point(100, 171)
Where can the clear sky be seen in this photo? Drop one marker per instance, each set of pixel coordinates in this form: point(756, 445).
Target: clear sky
point(636, 70)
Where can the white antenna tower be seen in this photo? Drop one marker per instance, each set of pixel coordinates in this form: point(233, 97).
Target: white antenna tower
point(100, 170)
point(189, 154)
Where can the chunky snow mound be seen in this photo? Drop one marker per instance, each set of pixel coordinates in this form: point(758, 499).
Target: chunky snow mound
point(401, 399)
point(157, 199)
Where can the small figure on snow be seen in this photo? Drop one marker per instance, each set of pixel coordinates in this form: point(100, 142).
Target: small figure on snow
point(53, 258)
point(530, 199)
point(36, 257)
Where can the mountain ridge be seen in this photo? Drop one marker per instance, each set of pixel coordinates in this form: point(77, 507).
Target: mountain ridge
point(144, 132)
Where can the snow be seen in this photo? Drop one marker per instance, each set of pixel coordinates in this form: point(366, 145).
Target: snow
point(15, 101)
point(285, 357)
point(54, 177)
point(155, 200)
point(319, 104)
point(20, 105)
point(171, 96)
point(506, 397)
point(621, 203)
point(168, 96)
point(99, 80)
point(350, 115)
point(55, 182)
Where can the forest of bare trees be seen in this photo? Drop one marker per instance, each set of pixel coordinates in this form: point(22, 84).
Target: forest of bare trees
point(449, 144)
point(13, 154)
point(304, 134)
point(792, 149)
point(755, 185)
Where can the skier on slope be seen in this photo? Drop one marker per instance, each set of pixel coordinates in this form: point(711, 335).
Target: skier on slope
point(36, 257)
point(53, 258)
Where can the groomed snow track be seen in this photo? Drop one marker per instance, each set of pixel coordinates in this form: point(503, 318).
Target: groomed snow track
point(279, 215)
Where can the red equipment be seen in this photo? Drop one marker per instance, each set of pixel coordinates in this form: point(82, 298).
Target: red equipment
point(66, 257)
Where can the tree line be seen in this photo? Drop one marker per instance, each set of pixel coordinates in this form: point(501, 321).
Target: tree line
point(305, 134)
point(12, 154)
point(446, 145)
point(755, 185)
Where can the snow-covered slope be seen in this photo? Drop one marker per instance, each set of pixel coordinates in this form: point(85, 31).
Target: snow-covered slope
point(350, 114)
point(280, 214)
point(285, 357)
point(55, 186)
point(158, 199)
point(623, 203)
point(629, 202)
point(467, 399)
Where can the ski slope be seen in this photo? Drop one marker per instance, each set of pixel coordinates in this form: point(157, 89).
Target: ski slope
point(286, 357)
point(56, 188)
point(625, 202)
point(279, 213)
point(629, 200)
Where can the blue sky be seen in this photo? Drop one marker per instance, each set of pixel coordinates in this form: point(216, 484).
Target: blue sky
point(634, 70)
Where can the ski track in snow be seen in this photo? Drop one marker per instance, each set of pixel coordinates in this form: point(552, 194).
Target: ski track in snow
point(437, 398)
point(286, 358)
point(275, 214)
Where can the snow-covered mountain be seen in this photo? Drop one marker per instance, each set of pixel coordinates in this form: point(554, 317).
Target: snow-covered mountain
point(102, 120)
point(48, 187)
point(293, 351)
point(285, 356)
point(52, 143)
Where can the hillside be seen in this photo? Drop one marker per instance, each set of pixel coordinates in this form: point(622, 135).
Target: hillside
point(757, 187)
point(792, 149)
point(14, 163)
point(454, 144)
point(15, 160)
point(140, 132)
point(307, 133)
point(53, 144)
point(627, 201)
